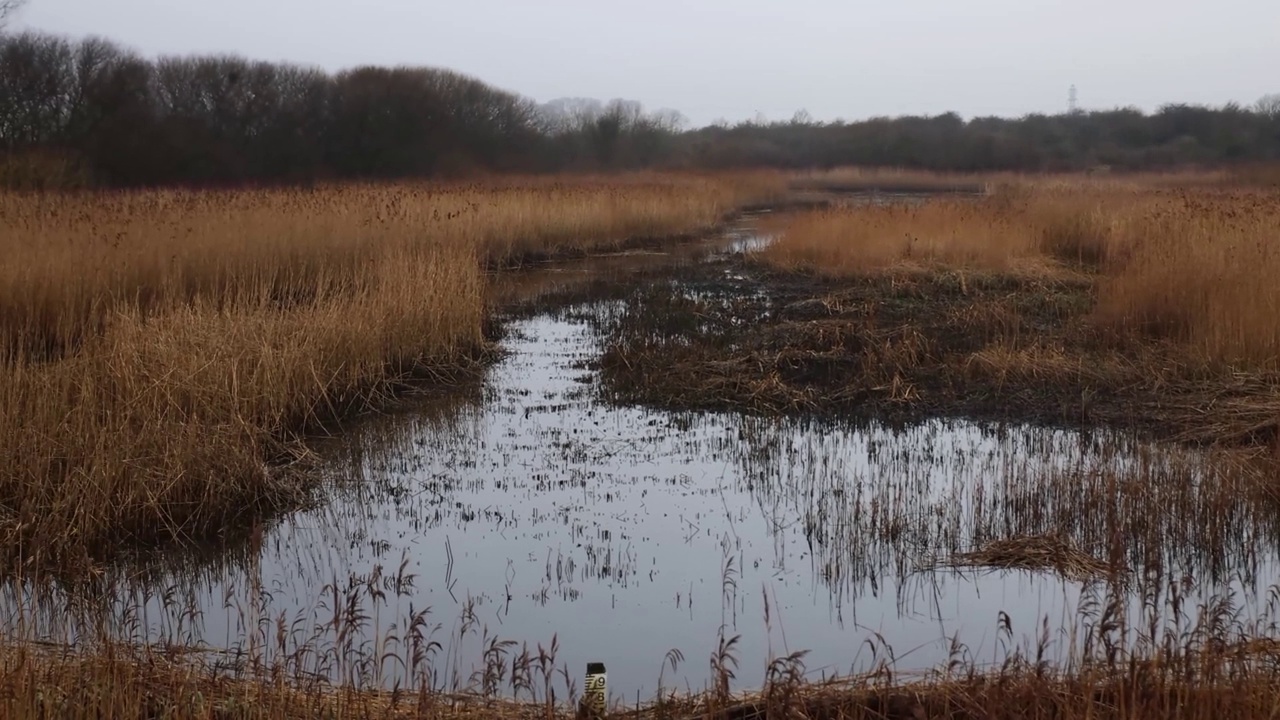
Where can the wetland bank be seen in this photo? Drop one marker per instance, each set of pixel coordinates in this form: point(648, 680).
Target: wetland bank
point(785, 456)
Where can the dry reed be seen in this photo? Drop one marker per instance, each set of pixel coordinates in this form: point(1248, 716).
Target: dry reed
point(1199, 269)
point(1190, 265)
point(1033, 552)
point(1114, 300)
point(877, 237)
point(162, 353)
point(892, 180)
point(1169, 657)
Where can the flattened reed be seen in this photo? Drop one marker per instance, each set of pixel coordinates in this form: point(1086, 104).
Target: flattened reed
point(1033, 552)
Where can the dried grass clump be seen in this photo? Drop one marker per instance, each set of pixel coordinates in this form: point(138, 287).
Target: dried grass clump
point(1036, 553)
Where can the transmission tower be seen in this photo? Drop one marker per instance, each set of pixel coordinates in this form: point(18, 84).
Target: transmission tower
point(1073, 105)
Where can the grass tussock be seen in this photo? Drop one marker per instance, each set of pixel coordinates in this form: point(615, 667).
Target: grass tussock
point(163, 353)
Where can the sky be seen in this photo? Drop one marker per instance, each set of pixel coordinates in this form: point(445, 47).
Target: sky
point(737, 60)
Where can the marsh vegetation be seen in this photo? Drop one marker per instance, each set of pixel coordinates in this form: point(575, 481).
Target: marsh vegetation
point(1085, 302)
point(162, 352)
point(427, 450)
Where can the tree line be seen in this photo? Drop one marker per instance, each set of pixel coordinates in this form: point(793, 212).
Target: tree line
point(1177, 135)
point(90, 112)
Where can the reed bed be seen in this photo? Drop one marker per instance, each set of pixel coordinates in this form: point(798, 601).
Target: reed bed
point(1193, 266)
point(876, 237)
point(1118, 300)
point(1198, 270)
point(1017, 224)
point(164, 353)
point(138, 687)
point(1182, 276)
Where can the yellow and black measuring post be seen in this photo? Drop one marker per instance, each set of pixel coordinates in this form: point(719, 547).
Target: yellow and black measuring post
point(595, 695)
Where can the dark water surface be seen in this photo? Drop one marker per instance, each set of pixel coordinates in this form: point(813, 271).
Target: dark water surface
point(527, 509)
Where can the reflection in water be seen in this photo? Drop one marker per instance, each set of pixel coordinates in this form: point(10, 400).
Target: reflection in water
point(528, 510)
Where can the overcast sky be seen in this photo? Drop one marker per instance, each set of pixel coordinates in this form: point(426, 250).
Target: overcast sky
point(732, 59)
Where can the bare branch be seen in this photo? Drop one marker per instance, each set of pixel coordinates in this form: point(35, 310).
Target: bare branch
point(1269, 105)
point(8, 8)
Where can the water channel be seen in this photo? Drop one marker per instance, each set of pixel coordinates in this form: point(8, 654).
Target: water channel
point(527, 509)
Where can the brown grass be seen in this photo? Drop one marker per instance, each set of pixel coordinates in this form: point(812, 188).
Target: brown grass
point(151, 685)
point(1265, 174)
point(162, 353)
point(892, 180)
point(1199, 269)
point(1191, 266)
point(1033, 552)
point(120, 682)
point(1083, 300)
point(877, 237)
point(1170, 659)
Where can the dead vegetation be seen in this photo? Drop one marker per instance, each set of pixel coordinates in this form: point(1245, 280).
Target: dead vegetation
point(895, 347)
point(1106, 301)
point(172, 401)
point(1166, 657)
point(163, 354)
point(126, 688)
point(1033, 552)
point(890, 181)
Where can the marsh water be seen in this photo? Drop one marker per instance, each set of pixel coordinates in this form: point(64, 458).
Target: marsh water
point(528, 509)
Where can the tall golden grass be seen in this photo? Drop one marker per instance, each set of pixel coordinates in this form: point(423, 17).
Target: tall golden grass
point(876, 237)
point(1191, 266)
point(162, 353)
point(1200, 269)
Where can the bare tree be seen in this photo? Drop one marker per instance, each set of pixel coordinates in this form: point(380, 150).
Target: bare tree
point(1269, 105)
point(802, 117)
point(8, 8)
point(670, 121)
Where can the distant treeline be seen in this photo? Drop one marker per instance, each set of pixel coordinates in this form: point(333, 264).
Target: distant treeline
point(1124, 139)
point(90, 112)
